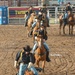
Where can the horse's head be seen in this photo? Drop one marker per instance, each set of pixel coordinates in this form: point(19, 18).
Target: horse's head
point(40, 41)
point(44, 16)
point(28, 72)
point(61, 16)
point(31, 19)
point(70, 16)
point(33, 15)
point(69, 12)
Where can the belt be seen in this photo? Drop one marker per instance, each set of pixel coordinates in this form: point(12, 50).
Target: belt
point(23, 62)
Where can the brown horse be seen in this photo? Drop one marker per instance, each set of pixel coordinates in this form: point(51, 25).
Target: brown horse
point(70, 22)
point(40, 53)
point(36, 29)
point(30, 21)
point(60, 22)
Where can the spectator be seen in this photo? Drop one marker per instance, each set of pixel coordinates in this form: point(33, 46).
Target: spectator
point(60, 2)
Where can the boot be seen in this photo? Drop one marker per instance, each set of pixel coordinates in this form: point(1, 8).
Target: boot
point(48, 24)
point(31, 32)
point(25, 24)
point(47, 57)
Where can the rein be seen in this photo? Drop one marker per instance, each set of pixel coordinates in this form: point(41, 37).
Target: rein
point(40, 54)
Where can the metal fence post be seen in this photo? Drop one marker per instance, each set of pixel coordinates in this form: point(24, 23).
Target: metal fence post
point(56, 12)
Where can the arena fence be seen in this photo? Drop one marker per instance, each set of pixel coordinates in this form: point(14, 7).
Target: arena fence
point(16, 14)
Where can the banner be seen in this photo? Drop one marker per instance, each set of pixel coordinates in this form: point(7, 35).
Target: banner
point(18, 12)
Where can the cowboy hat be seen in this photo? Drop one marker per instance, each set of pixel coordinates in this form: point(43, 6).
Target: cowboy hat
point(27, 48)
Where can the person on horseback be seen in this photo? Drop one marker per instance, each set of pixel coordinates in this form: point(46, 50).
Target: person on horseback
point(30, 11)
point(37, 17)
point(40, 13)
point(43, 33)
point(67, 9)
point(25, 58)
point(44, 10)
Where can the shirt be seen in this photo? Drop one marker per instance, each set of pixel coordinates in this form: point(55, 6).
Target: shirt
point(25, 58)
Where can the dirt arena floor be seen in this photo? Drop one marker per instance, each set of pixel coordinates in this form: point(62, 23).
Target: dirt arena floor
point(62, 49)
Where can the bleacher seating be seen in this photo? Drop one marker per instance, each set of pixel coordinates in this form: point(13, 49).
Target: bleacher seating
point(31, 2)
point(2, 3)
point(51, 2)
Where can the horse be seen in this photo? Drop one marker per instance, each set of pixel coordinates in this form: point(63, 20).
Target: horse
point(30, 21)
point(70, 21)
point(40, 53)
point(36, 29)
point(28, 72)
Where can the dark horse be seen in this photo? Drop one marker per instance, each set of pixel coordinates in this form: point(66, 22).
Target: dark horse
point(70, 22)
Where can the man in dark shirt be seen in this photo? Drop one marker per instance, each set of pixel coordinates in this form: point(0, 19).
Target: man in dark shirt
point(68, 7)
point(25, 58)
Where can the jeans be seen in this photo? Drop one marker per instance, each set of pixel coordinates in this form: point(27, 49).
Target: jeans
point(35, 46)
point(34, 70)
point(65, 21)
point(23, 68)
point(26, 19)
point(34, 23)
point(65, 16)
point(46, 46)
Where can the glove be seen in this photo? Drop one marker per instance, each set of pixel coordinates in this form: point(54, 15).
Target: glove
point(15, 64)
point(30, 65)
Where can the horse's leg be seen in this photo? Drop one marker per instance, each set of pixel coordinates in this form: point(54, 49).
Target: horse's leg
point(37, 63)
point(28, 31)
point(60, 28)
point(43, 65)
point(64, 29)
point(69, 29)
point(72, 30)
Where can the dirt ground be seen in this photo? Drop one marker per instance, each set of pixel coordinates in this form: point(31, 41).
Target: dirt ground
point(62, 49)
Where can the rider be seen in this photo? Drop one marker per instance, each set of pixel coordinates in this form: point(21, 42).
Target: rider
point(39, 13)
point(30, 11)
point(68, 8)
point(44, 10)
point(44, 35)
point(65, 16)
point(25, 59)
point(41, 10)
